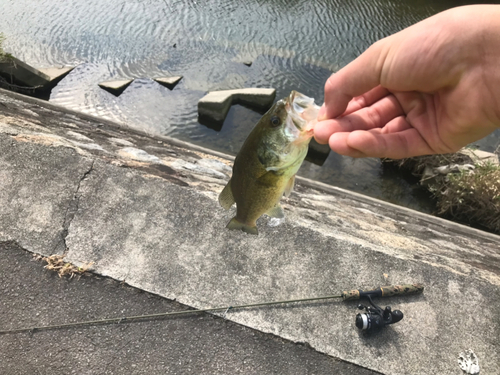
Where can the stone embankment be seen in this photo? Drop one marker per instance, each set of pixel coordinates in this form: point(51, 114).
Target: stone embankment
point(20, 75)
point(144, 210)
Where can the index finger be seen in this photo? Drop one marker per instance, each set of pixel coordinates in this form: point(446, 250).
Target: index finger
point(356, 78)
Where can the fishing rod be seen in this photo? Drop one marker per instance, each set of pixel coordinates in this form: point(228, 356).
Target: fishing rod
point(374, 317)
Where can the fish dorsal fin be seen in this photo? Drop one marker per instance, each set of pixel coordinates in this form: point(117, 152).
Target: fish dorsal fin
point(276, 211)
point(226, 198)
point(289, 186)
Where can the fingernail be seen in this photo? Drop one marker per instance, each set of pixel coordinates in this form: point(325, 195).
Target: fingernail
point(322, 113)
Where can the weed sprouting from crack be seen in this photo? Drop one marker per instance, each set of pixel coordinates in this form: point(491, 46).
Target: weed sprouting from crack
point(57, 264)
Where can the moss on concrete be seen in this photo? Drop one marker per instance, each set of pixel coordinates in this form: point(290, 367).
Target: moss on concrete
point(4, 56)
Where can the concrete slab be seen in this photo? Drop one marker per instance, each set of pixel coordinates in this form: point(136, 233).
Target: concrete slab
point(198, 344)
point(24, 74)
point(57, 74)
point(480, 157)
point(181, 251)
point(169, 82)
point(161, 229)
point(37, 193)
point(215, 105)
point(115, 87)
point(27, 77)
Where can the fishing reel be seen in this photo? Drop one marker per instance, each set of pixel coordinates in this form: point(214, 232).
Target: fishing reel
point(375, 317)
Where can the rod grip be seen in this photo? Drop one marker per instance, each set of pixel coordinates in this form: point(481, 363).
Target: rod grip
point(383, 291)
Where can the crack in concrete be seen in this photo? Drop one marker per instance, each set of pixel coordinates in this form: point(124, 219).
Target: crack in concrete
point(72, 210)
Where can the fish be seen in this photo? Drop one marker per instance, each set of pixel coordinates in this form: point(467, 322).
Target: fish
point(265, 167)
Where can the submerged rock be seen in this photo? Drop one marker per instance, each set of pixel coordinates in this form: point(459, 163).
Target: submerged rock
point(115, 87)
point(169, 82)
point(214, 106)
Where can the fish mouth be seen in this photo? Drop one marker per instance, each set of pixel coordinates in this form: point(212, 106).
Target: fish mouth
point(302, 111)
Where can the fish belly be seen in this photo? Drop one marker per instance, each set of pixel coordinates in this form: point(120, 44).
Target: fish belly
point(255, 198)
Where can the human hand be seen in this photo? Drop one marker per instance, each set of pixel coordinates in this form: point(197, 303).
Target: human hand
point(430, 89)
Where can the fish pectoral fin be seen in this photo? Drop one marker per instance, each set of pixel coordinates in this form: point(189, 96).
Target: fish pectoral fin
point(276, 211)
point(289, 186)
point(226, 198)
point(235, 225)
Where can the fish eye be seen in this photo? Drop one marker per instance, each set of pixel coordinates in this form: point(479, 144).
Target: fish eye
point(275, 121)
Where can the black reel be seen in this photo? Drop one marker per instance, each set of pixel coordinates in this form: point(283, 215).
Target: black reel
point(375, 317)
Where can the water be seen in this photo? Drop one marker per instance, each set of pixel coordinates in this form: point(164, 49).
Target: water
point(294, 44)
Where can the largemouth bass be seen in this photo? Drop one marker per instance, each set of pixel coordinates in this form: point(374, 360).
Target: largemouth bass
point(266, 165)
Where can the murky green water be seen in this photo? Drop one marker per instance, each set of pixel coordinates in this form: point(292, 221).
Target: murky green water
point(293, 44)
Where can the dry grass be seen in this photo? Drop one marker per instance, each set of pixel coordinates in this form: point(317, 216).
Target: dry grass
point(472, 196)
point(417, 164)
point(57, 264)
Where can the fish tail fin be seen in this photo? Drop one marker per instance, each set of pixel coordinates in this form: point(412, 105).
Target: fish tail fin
point(235, 225)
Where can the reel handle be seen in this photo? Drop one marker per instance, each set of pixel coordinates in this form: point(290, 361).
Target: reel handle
point(383, 291)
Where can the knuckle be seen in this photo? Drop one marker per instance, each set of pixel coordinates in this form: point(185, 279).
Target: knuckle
point(331, 85)
point(361, 101)
point(373, 116)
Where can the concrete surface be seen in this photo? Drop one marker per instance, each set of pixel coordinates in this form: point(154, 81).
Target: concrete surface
point(115, 87)
point(38, 195)
point(481, 157)
point(215, 105)
point(198, 344)
point(169, 82)
point(23, 73)
point(145, 211)
point(56, 74)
